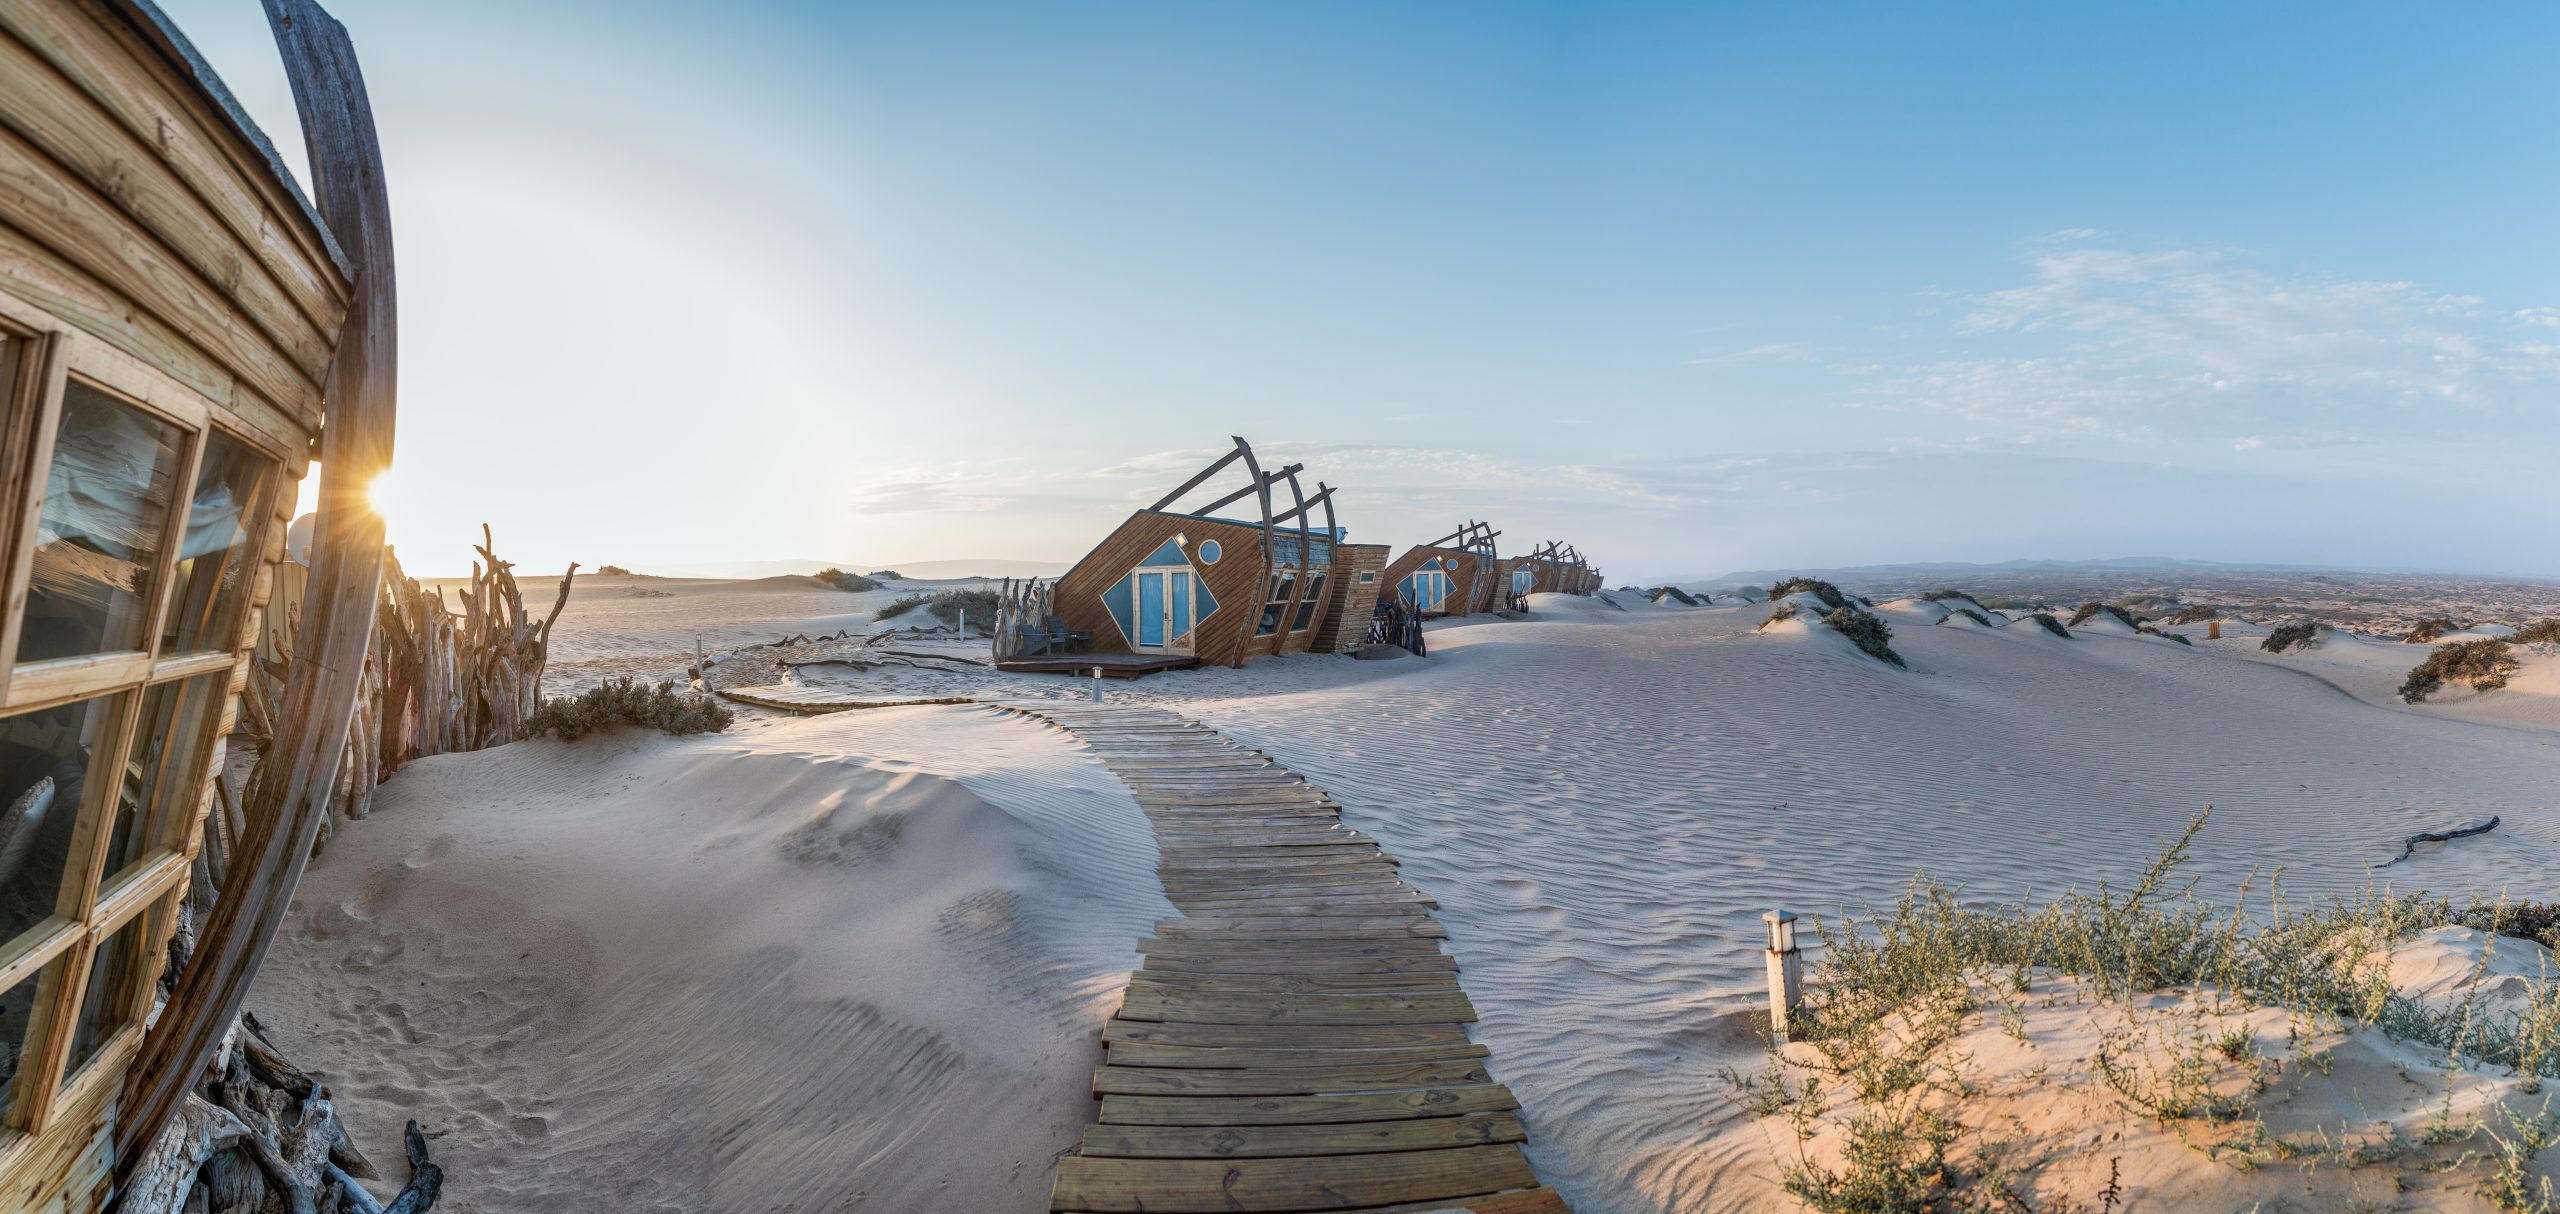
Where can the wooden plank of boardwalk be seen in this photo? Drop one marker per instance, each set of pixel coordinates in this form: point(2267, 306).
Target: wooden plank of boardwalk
point(1297, 1039)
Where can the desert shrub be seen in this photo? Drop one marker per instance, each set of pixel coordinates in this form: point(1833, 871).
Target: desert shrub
point(1785, 611)
point(1674, 593)
point(1942, 592)
point(1971, 614)
point(617, 702)
point(2301, 634)
point(842, 580)
point(2484, 664)
point(2428, 630)
point(886, 575)
point(2193, 615)
point(613, 571)
point(1868, 632)
point(2004, 603)
point(1896, 987)
point(2089, 611)
point(1825, 591)
point(947, 606)
point(2539, 632)
point(2045, 620)
point(2148, 630)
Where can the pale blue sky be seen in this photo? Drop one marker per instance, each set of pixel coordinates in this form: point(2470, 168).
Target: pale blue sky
point(1698, 287)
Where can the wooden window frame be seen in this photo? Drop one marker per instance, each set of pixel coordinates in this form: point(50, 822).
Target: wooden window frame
point(94, 905)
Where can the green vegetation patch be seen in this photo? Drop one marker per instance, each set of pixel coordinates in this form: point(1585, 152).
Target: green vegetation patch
point(2045, 619)
point(1896, 988)
point(2428, 630)
point(1825, 591)
point(620, 702)
point(2539, 632)
point(2301, 634)
point(1868, 632)
point(947, 606)
point(2485, 665)
point(842, 580)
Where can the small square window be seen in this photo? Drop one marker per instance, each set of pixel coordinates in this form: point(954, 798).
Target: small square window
point(47, 758)
point(167, 770)
point(114, 992)
point(19, 1007)
point(107, 494)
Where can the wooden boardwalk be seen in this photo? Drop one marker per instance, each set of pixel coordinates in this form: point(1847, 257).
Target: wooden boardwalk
point(1297, 1039)
point(790, 697)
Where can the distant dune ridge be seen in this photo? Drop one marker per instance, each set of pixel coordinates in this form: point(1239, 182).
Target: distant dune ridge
point(931, 570)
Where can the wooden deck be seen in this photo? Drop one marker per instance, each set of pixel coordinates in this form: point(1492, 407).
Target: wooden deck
point(791, 697)
point(1297, 1039)
point(1114, 665)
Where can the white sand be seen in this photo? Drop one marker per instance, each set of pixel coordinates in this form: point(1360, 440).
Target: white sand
point(601, 966)
point(851, 962)
point(2372, 670)
point(645, 627)
point(1604, 804)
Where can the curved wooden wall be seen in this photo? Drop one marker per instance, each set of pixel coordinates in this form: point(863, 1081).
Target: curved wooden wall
point(136, 207)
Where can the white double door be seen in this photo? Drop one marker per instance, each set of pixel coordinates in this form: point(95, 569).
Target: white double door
point(1163, 610)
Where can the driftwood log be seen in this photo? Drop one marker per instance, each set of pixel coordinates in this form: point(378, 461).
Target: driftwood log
point(2409, 846)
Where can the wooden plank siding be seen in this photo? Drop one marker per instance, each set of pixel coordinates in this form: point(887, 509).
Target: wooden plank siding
point(1471, 584)
point(1346, 618)
point(1226, 636)
point(1559, 577)
point(150, 230)
point(133, 207)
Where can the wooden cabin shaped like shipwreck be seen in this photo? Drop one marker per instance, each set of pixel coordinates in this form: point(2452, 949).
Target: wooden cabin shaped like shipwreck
point(1172, 588)
point(1551, 568)
point(1457, 574)
point(171, 310)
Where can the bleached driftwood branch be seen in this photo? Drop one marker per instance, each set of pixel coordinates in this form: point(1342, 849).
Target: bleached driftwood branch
point(2409, 847)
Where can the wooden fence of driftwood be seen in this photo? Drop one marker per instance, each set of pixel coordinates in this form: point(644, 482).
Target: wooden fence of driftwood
point(1022, 618)
point(435, 682)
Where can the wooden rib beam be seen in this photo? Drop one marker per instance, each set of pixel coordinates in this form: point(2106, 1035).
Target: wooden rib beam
point(1296, 1039)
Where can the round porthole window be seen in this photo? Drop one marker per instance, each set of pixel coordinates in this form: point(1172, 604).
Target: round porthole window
point(1448, 562)
point(1208, 552)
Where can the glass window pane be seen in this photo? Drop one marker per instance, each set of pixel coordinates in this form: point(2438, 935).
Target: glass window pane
point(1307, 606)
point(217, 555)
point(166, 771)
point(109, 1002)
point(45, 760)
point(1284, 584)
point(18, 1007)
point(106, 503)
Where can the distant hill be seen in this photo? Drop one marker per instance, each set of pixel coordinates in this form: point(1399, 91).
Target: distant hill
point(927, 570)
point(1928, 570)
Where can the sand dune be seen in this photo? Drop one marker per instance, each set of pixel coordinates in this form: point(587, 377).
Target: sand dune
point(878, 945)
point(1604, 805)
point(854, 961)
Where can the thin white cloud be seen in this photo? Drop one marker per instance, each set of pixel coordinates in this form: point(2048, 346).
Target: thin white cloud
point(2122, 345)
